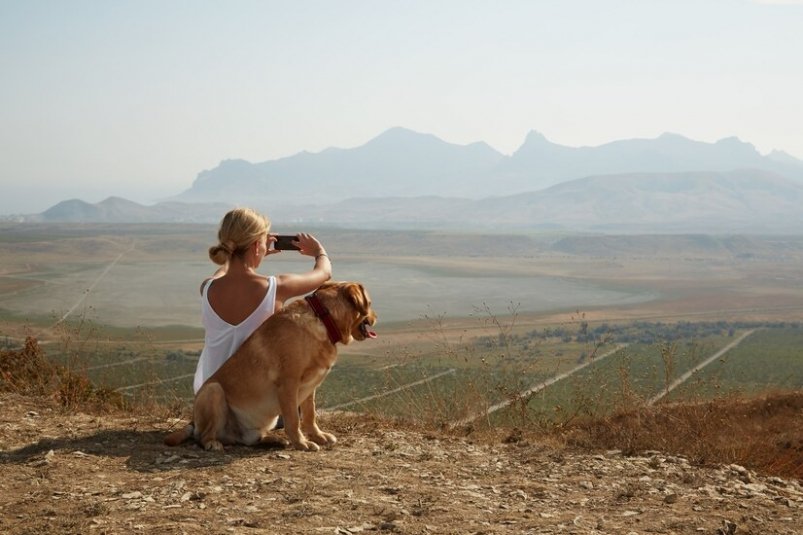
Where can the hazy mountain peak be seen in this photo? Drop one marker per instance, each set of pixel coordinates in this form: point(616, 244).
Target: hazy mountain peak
point(234, 163)
point(71, 202)
point(734, 141)
point(534, 137)
point(481, 145)
point(398, 134)
point(71, 210)
point(116, 201)
point(671, 136)
point(409, 143)
point(535, 142)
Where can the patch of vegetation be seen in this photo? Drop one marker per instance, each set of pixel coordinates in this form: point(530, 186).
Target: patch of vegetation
point(27, 371)
point(761, 433)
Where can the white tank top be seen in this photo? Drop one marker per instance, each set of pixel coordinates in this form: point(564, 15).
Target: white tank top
point(222, 339)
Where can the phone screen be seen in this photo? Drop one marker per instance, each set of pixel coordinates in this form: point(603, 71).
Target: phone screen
point(285, 243)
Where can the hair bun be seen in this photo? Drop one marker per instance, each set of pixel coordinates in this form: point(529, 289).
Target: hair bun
point(229, 246)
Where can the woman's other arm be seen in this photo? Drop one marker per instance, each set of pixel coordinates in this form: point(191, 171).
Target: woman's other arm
point(291, 285)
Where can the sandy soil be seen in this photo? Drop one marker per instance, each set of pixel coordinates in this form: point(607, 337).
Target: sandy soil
point(82, 473)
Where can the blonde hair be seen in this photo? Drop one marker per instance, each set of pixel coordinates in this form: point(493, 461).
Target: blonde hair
point(238, 230)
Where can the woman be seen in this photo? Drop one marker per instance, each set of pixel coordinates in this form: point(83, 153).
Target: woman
point(236, 299)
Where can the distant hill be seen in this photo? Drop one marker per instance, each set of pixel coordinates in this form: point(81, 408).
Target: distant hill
point(403, 163)
point(118, 210)
point(737, 201)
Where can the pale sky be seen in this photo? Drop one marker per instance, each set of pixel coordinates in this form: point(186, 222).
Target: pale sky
point(134, 98)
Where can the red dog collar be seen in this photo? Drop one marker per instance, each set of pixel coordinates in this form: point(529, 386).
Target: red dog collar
point(323, 314)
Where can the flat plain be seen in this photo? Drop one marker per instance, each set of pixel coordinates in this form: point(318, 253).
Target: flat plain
point(497, 312)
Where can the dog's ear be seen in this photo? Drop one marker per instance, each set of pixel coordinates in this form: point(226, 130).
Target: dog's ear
point(326, 285)
point(356, 294)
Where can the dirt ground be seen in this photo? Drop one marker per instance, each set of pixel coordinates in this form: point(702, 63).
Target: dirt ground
point(82, 473)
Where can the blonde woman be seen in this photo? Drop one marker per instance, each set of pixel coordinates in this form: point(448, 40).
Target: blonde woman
point(236, 299)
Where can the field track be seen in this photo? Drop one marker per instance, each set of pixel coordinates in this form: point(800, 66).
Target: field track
point(389, 392)
point(683, 378)
point(92, 286)
point(540, 386)
point(152, 383)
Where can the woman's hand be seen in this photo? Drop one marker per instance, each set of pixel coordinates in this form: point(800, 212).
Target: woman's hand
point(308, 245)
point(293, 285)
point(269, 249)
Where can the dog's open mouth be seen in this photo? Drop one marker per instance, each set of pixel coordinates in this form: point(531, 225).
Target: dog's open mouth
point(366, 330)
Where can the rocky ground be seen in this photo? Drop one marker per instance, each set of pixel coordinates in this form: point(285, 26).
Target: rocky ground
point(80, 473)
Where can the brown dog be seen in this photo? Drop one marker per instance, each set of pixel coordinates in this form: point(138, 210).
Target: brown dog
point(277, 370)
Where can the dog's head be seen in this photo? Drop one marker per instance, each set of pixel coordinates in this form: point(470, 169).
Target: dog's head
point(352, 306)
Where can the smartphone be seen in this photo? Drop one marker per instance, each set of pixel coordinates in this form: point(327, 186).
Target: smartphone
point(285, 243)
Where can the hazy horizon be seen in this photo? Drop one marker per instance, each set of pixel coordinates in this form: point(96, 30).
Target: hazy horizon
point(134, 99)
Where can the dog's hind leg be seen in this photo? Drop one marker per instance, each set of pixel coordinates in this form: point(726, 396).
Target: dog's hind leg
point(211, 412)
point(177, 437)
point(271, 440)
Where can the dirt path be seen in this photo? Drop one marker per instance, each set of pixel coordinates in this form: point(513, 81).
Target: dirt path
point(390, 392)
point(78, 473)
point(92, 286)
point(685, 377)
point(540, 386)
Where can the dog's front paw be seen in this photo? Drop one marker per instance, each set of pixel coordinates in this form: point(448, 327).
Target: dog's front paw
point(323, 439)
point(213, 445)
point(306, 445)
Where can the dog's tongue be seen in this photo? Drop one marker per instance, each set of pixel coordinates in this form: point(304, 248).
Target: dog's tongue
point(369, 332)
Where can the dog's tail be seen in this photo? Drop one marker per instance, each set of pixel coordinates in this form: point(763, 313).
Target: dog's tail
point(182, 435)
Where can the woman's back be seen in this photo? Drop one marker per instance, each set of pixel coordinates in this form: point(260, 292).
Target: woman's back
point(235, 298)
point(223, 335)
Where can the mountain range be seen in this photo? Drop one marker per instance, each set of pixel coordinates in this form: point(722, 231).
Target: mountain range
point(400, 162)
point(403, 179)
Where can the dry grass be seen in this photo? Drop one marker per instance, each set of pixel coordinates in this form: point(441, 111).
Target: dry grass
point(762, 434)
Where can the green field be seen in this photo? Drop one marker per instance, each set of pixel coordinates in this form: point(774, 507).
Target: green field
point(768, 358)
point(449, 384)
